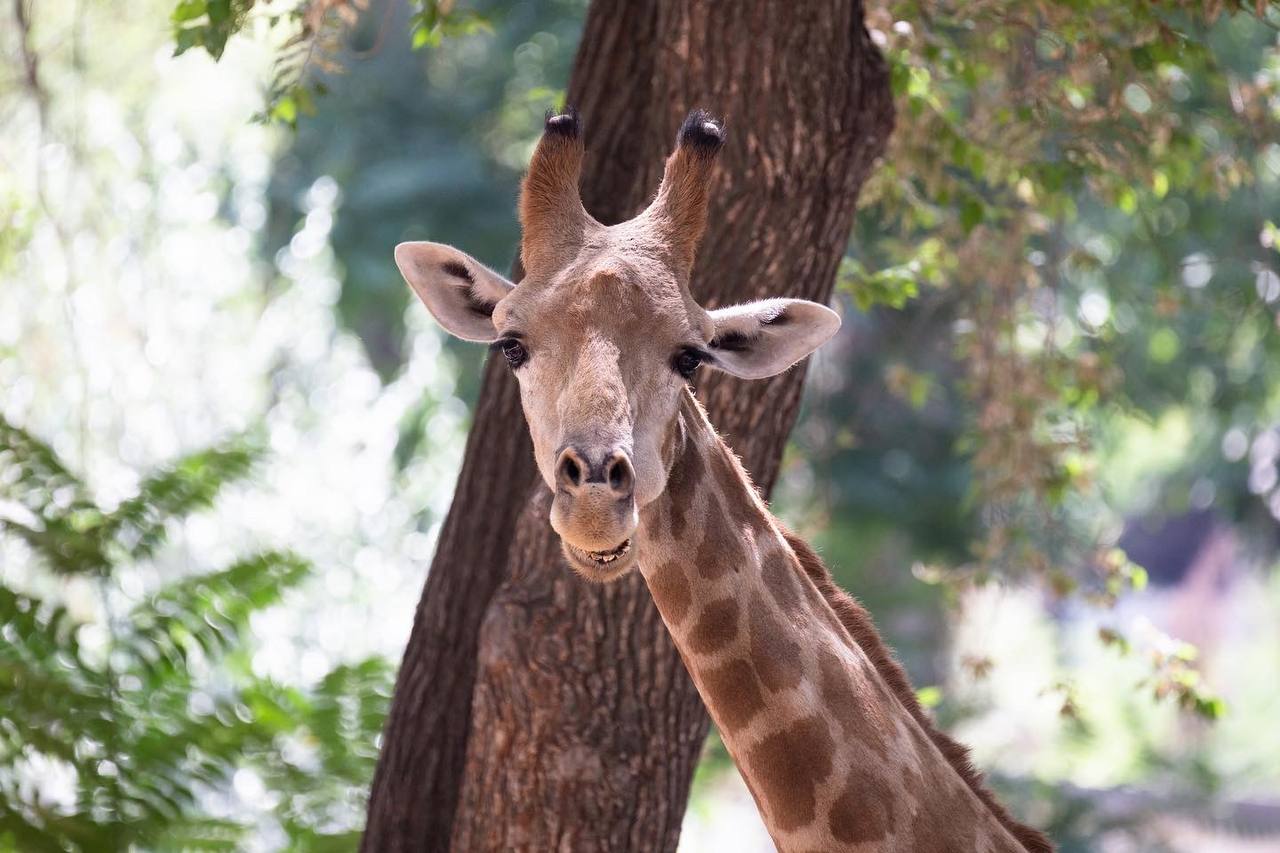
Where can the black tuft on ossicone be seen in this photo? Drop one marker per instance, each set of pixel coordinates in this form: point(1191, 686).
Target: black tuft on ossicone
point(702, 132)
point(567, 124)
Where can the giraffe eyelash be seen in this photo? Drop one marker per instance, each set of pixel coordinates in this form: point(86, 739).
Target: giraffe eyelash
point(512, 349)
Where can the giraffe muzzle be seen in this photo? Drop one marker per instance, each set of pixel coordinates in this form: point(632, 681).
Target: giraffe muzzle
point(594, 510)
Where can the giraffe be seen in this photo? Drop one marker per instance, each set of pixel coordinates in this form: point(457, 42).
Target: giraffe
point(604, 339)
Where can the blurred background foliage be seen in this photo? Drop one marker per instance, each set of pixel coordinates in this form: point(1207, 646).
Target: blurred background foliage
point(125, 721)
point(1043, 450)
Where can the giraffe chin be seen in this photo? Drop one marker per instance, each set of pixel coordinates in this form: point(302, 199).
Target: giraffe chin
point(600, 566)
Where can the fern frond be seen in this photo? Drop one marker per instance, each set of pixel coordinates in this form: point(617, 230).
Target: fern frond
point(64, 526)
point(68, 546)
point(209, 612)
point(349, 707)
point(37, 828)
point(31, 472)
point(177, 490)
point(201, 835)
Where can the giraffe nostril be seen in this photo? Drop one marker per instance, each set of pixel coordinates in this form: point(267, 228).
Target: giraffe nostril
point(576, 471)
point(569, 470)
point(620, 476)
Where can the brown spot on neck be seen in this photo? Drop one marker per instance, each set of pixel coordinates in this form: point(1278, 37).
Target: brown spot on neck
point(864, 810)
point(671, 592)
point(776, 655)
point(860, 705)
point(732, 693)
point(721, 548)
point(730, 477)
point(786, 768)
point(778, 571)
point(682, 487)
point(716, 627)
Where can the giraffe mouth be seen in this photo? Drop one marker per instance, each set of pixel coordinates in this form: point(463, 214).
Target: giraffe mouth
point(600, 565)
point(604, 558)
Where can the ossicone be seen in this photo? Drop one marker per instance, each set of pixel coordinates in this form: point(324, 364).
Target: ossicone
point(679, 211)
point(552, 218)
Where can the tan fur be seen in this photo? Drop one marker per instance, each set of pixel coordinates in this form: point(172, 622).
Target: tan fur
point(893, 786)
point(861, 628)
point(552, 219)
point(679, 213)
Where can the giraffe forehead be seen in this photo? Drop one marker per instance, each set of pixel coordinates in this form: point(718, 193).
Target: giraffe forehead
point(618, 281)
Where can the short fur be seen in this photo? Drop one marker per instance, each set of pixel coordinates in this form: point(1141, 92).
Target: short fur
point(552, 218)
point(857, 621)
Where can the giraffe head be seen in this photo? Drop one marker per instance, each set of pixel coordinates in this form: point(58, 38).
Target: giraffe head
point(603, 335)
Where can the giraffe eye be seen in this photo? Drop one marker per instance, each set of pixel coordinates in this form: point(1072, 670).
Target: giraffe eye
point(512, 350)
point(686, 363)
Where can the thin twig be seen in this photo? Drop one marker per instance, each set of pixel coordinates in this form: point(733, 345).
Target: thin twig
point(388, 12)
point(30, 62)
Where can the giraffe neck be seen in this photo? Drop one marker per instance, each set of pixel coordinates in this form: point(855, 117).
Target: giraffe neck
point(833, 758)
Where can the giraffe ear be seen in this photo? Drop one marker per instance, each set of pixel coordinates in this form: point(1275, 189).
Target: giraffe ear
point(759, 339)
point(459, 291)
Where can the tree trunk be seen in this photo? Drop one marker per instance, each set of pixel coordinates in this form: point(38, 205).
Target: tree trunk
point(536, 711)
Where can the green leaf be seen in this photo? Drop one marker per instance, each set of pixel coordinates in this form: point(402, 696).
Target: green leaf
point(186, 39)
point(188, 10)
point(219, 11)
point(215, 41)
point(427, 37)
point(929, 697)
point(972, 212)
point(1211, 707)
point(285, 110)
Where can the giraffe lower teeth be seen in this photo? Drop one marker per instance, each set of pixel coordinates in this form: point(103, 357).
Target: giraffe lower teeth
point(606, 557)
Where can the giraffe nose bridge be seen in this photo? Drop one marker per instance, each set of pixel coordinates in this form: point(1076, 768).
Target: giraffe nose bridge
point(595, 414)
point(593, 474)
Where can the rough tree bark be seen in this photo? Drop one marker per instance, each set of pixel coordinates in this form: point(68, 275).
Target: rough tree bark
point(535, 711)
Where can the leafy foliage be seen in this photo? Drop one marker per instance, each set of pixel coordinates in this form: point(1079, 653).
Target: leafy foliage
point(75, 536)
point(1022, 128)
point(1039, 235)
point(208, 24)
point(313, 40)
point(145, 712)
